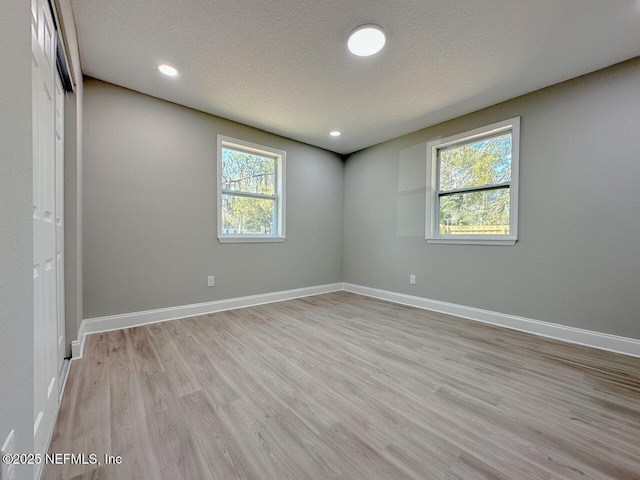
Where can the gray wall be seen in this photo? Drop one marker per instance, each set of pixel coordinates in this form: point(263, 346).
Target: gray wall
point(16, 237)
point(577, 261)
point(149, 199)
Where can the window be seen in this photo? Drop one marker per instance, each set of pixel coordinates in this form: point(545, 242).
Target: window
point(473, 186)
point(251, 194)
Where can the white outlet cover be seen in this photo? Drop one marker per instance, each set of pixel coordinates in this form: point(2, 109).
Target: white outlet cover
point(412, 279)
point(211, 281)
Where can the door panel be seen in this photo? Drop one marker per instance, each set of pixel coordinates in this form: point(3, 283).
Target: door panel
point(45, 261)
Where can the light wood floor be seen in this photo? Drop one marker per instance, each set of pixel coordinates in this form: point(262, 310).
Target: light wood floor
point(341, 386)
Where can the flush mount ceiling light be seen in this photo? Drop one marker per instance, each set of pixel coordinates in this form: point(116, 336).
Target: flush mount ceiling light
point(335, 133)
point(168, 70)
point(366, 40)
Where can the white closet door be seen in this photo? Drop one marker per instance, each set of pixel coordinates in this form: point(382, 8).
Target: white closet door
point(44, 224)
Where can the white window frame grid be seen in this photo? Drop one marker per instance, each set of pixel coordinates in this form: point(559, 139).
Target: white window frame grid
point(432, 234)
point(279, 157)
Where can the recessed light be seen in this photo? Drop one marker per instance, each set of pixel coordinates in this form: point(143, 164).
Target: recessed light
point(335, 133)
point(168, 70)
point(366, 40)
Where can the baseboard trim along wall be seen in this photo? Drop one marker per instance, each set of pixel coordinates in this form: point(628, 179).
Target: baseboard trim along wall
point(135, 319)
point(603, 341)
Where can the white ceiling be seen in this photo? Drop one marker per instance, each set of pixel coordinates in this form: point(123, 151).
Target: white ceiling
point(283, 65)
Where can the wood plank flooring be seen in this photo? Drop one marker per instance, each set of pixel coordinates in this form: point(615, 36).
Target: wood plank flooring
point(341, 386)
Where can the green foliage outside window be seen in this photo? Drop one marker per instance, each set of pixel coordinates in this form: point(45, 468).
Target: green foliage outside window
point(486, 162)
point(248, 174)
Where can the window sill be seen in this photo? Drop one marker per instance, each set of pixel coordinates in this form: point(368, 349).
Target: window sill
point(251, 239)
point(474, 241)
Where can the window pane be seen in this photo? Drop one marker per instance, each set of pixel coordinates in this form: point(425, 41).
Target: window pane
point(245, 172)
point(475, 213)
point(485, 162)
point(248, 216)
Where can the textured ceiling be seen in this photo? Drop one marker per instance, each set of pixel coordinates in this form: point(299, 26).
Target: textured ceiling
point(283, 65)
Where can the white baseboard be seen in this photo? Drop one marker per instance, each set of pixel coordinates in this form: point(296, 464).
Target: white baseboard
point(77, 346)
point(603, 341)
point(127, 320)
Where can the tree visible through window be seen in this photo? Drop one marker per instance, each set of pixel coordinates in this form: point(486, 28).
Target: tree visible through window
point(242, 174)
point(473, 185)
point(487, 165)
point(250, 190)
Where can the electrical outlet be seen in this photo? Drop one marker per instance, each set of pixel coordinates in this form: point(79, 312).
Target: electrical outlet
point(412, 279)
point(8, 471)
point(211, 281)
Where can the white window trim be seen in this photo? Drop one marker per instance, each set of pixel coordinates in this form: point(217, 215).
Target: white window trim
point(432, 234)
point(280, 157)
